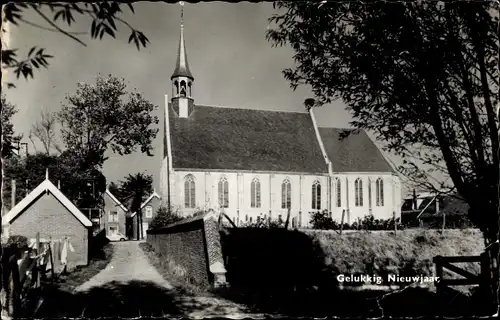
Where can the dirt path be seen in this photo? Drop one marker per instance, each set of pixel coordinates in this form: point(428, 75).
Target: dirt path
point(130, 286)
point(128, 263)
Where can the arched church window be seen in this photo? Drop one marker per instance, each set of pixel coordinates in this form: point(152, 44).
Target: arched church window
point(183, 88)
point(255, 193)
point(286, 194)
point(190, 88)
point(316, 195)
point(379, 190)
point(223, 193)
point(369, 193)
point(358, 192)
point(338, 189)
point(189, 192)
point(176, 85)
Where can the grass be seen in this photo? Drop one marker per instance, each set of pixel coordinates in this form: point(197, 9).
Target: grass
point(408, 252)
point(175, 274)
point(81, 274)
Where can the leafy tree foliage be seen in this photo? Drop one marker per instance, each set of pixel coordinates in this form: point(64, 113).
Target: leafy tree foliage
point(101, 116)
point(134, 190)
point(9, 138)
point(63, 169)
point(421, 75)
point(164, 217)
point(104, 16)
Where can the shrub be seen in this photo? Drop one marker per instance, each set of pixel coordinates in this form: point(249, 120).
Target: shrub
point(164, 217)
point(16, 244)
point(264, 223)
point(323, 221)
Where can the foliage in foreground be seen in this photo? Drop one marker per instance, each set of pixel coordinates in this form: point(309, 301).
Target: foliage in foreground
point(422, 75)
point(103, 18)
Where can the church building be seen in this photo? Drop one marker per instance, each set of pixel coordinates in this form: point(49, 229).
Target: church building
point(262, 163)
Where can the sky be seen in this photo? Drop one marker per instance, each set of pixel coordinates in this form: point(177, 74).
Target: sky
point(232, 63)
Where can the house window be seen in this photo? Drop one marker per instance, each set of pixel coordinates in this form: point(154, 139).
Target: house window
point(286, 194)
point(113, 230)
point(379, 190)
point(338, 192)
point(223, 193)
point(149, 212)
point(189, 192)
point(316, 195)
point(113, 216)
point(255, 193)
point(358, 190)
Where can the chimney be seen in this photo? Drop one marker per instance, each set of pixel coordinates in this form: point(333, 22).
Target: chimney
point(13, 194)
point(59, 184)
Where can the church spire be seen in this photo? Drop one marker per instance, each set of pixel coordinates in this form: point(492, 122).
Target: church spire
point(182, 66)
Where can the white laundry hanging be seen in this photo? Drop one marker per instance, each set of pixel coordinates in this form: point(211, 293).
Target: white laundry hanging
point(64, 252)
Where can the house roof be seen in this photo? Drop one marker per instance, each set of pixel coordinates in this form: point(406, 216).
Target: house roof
point(450, 205)
point(33, 196)
point(116, 200)
point(351, 150)
point(245, 139)
point(153, 195)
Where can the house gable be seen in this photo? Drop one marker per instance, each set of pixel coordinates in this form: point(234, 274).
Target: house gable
point(45, 188)
point(114, 201)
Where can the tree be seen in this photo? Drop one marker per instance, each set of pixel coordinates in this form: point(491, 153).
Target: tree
point(135, 190)
point(9, 138)
point(423, 76)
point(45, 131)
point(98, 117)
point(30, 171)
point(104, 18)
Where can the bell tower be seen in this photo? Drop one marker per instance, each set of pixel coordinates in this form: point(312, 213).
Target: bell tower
point(182, 78)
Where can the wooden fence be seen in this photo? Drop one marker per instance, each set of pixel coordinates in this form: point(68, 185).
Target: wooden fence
point(486, 279)
point(21, 295)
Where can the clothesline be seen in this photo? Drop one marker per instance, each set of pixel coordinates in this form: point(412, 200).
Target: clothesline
point(59, 249)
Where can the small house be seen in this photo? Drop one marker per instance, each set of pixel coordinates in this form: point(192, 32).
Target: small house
point(114, 214)
point(47, 211)
point(148, 209)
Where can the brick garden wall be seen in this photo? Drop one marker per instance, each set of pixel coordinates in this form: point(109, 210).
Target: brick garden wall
point(194, 245)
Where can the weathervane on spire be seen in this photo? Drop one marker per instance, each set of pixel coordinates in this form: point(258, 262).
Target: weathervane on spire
point(182, 12)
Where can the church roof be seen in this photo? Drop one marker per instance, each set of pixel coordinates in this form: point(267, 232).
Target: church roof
point(351, 150)
point(243, 139)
